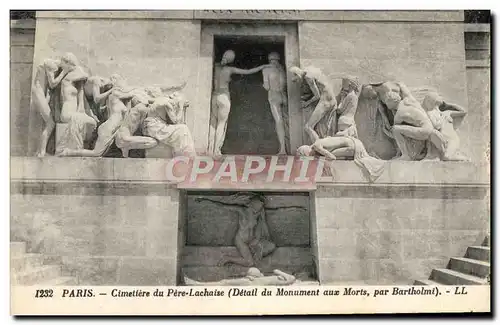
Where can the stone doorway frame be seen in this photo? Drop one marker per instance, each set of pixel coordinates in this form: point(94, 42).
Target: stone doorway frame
point(288, 31)
point(183, 218)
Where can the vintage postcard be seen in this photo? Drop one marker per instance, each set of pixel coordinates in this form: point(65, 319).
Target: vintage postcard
point(249, 162)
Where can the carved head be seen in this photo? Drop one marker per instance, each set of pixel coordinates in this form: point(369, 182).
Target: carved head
point(51, 65)
point(347, 127)
point(117, 81)
point(297, 74)
point(367, 91)
point(350, 83)
point(179, 100)
point(254, 272)
point(256, 204)
point(391, 99)
point(431, 101)
point(228, 57)
point(273, 57)
point(305, 150)
point(105, 82)
point(68, 61)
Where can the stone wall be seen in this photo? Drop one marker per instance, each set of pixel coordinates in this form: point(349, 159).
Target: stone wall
point(477, 45)
point(106, 232)
point(117, 221)
point(393, 234)
point(22, 39)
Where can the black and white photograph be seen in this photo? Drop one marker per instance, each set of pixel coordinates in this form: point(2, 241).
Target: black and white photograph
point(206, 153)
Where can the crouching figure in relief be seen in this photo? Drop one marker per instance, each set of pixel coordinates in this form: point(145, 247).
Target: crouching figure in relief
point(252, 239)
point(444, 116)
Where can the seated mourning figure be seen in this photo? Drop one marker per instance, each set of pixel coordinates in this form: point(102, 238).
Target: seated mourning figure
point(75, 120)
point(253, 277)
point(161, 118)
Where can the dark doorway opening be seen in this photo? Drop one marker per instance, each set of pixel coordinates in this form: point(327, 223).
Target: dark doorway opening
point(250, 128)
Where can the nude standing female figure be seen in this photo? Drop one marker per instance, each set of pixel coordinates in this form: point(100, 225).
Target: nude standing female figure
point(221, 101)
point(72, 93)
point(45, 81)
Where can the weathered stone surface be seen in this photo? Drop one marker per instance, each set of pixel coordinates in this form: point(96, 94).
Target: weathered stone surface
point(120, 242)
point(20, 91)
point(92, 270)
point(148, 271)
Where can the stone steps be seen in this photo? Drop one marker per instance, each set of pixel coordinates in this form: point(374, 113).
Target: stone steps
point(481, 253)
point(37, 274)
point(26, 261)
point(427, 283)
point(62, 280)
point(31, 269)
point(452, 277)
point(470, 266)
point(473, 269)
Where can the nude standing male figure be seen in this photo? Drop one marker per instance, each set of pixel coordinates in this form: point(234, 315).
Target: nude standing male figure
point(322, 93)
point(275, 83)
point(44, 82)
point(221, 101)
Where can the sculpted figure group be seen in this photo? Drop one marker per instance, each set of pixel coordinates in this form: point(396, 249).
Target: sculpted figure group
point(89, 106)
point(420, 129)
point(97, 111)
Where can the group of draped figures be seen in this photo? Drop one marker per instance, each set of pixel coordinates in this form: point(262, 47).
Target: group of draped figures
point(402, 124)
point(94, 112)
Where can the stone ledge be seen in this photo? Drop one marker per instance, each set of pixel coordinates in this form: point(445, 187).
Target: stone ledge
point(477, 63)
point(116, 14)
point(294, 15)
point(109, 170)
point(23, 24)
point(477, 28)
